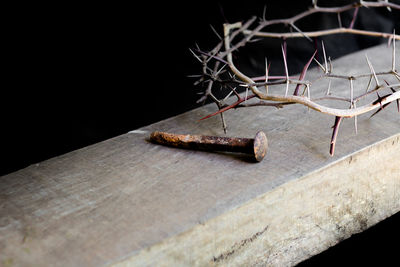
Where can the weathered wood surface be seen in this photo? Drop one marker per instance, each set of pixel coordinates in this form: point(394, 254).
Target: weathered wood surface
point(128, 202)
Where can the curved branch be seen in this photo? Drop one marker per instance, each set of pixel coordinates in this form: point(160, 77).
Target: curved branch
point(321, 33)
point(299, 99)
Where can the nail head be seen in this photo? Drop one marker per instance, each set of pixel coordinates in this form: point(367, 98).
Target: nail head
point(260, 146)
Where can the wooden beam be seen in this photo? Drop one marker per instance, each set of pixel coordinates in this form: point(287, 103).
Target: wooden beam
point(128, 202)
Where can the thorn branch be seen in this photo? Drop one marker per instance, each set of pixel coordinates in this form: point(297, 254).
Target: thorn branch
point(220, 72)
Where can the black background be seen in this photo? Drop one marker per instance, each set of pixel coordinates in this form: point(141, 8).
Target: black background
point(77, 74)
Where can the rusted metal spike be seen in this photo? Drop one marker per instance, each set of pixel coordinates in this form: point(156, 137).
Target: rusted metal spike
point(257, 146)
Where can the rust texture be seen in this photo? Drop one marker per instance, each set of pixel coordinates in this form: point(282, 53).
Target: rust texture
point(256, 147)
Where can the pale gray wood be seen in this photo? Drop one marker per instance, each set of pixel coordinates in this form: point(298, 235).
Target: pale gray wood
point(127, 200)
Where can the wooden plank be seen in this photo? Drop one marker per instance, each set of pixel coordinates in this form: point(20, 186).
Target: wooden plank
point(128, 202)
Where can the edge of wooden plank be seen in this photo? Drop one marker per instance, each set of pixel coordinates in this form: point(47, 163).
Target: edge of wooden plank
point(294, 221)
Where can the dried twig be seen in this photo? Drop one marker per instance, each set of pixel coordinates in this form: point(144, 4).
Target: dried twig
point(239, 34)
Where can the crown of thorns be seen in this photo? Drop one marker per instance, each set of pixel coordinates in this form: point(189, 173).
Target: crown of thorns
point(219, 70)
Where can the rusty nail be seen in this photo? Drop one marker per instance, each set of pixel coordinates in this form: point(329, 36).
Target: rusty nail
point(257, 146)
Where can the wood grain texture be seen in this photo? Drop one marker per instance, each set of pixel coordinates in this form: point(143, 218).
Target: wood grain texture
point(126, 201)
